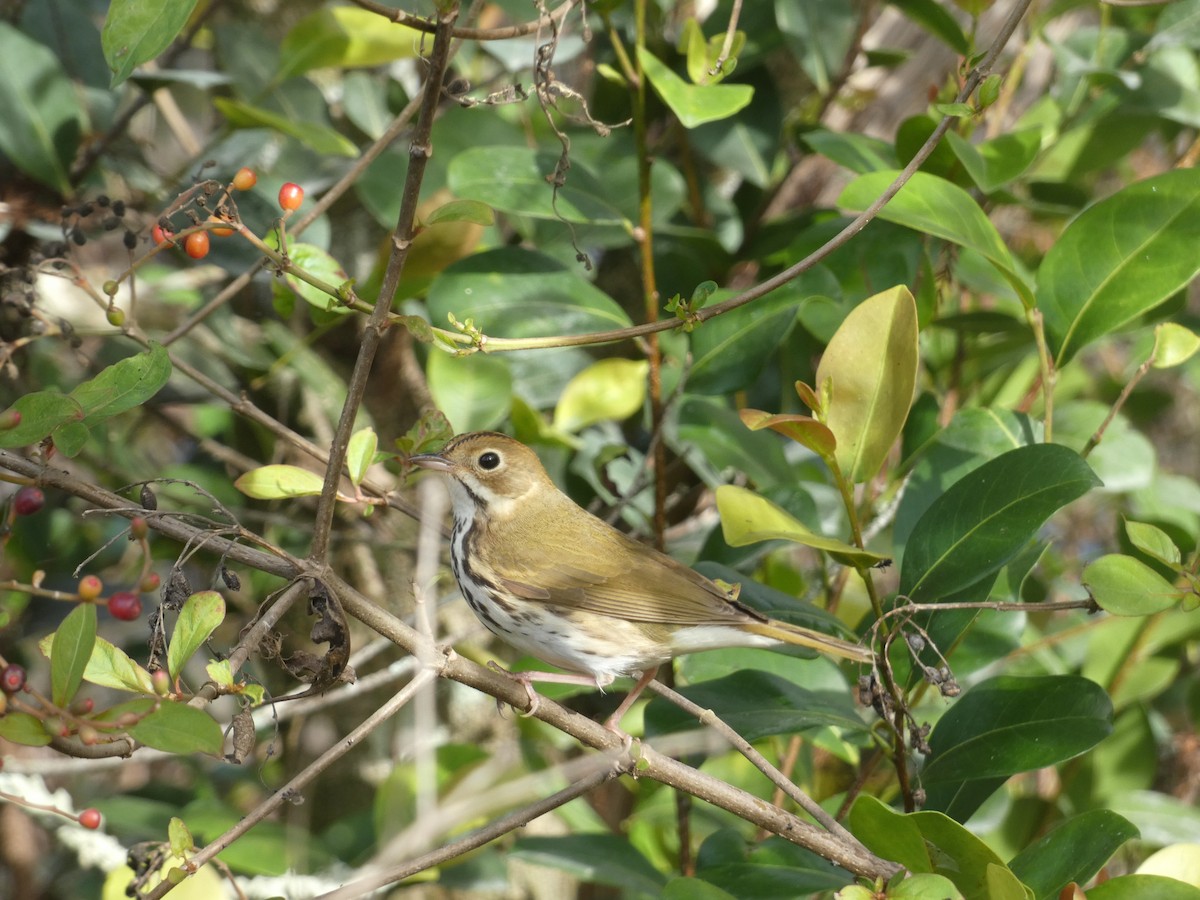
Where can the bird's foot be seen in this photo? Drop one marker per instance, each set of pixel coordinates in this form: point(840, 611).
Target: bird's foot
point(526, 681)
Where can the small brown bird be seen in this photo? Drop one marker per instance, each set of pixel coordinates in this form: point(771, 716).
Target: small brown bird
point(558, 583)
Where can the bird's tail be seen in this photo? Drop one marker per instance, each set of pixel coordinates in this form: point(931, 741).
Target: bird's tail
point(807, 637)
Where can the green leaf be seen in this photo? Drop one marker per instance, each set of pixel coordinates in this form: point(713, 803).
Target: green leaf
point(1143, 887)
point(730, 351)
point(41, 413)
point(889, 834)
point(1074, 850)
point(179, 837)
point(279, 481)
point(1125, 586)
point(938, 207)
point(320, 138)
point(514, 292)
point(1153, 541)
point(514, 180)
point(607, 390)
point(1008, 725)
point(474, 392)
point(856, 152)
point(986, 518)
point(462, 211)
point(71, 438)
point(819, 36)
point(41, 120)
point(136, 32)
point(756, 704)
point(869, 370)
point(937, 21)
point(361, 453)
point(1173, 345)
point(70, 651)
point(178, 728)
point(594, 858)
point(112, 667)
point(993, 164)
point(1119, 259)
point(693, 104)
point(747, 518)
point(124, 385)
point(319, 264)
point(23, 728)
point(201, 614)
point(345, 37)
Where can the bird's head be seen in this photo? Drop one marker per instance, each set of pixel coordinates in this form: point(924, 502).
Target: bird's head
point(486, 470)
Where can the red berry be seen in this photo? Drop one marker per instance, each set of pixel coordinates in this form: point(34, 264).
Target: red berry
point(162, 235)
point(150, 583)
point(89, 587)
point(125, 605)
point(29, 500)
point(90, 818)
point(12, 678)
point(196, 245)
point(244, 179)
point(138, 527)
point(291, 195)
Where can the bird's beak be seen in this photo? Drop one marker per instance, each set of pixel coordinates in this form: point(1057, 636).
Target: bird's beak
point(431, 461)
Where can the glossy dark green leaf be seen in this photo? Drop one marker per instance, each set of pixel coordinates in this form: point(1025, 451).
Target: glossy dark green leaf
point(594, 858)
point(935, 206)
point(694, 889)
point(1008, 725)
point(41, 121)
point(973, 437)
point(41, 413)
point(730, 351)
point(935, 19)
point(124, 385)
point(889, 834)
point(1118, 259)
point(201, 614)
point(1074, 850)
point(70, 651)
point(856, 152)
point(711, 424)
point(513, 292)
point(756, 704)
point(819, 35)
point(136, 32)
point(178, 728)
point(987, 517)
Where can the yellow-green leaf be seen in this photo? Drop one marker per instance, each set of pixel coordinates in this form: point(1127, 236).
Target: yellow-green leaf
point(1173, 345)
point(70, 650)
point(201, 614)
point(361, 453)
point(608, 390)
point(279, 481)
point(870, 367)
point(747, 518)
point(108, 666)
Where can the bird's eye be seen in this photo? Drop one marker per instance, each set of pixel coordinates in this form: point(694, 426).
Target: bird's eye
point(489, 460)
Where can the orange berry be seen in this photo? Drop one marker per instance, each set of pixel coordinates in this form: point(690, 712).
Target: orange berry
point(222, 231)
point(89, 587)
point(196, 245)
point(291, 195)
point(244, 179)
point(90, 818)
point(162, 235)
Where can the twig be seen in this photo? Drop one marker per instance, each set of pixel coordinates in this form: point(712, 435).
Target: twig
point(468, 34)
point(730, 31)
point(420, 150)
point(302, 778)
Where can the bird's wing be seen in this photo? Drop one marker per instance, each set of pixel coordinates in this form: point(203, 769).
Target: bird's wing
point(610, 574)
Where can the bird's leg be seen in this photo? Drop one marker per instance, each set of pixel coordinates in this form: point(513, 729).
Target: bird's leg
point(613, 722)
point(527, 678)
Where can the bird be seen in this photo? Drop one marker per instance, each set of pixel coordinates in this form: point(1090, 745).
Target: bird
point(556, 582)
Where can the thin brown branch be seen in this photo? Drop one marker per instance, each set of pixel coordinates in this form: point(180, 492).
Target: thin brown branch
point(420, 150)
point(418, 23)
